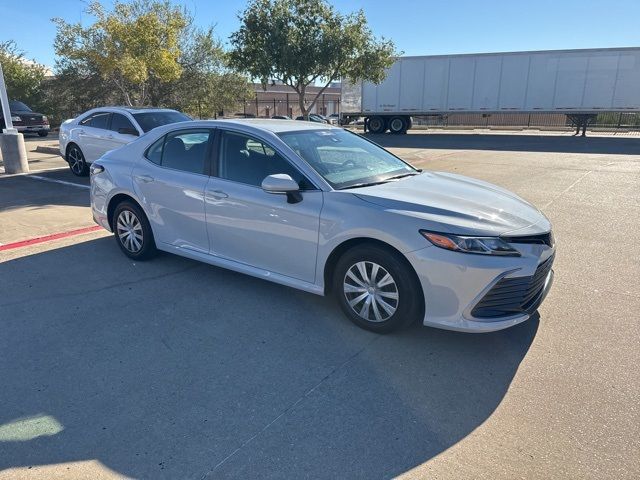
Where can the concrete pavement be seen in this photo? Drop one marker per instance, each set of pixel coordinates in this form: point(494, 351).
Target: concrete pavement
point(174, 369)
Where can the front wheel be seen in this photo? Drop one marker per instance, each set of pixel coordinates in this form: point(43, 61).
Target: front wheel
point(133, 232)
point(377, 289)
point(76, 161)
point(43, 133)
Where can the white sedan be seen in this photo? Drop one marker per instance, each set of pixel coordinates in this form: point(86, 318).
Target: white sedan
point(322, 209)
point(87, 137)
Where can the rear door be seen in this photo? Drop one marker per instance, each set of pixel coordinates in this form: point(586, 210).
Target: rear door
point(170, 182)
point(121, 131)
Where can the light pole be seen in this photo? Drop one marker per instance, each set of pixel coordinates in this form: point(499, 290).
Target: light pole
point(14, 153)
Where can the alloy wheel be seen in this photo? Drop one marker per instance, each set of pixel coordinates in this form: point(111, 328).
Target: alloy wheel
point(76, 161)
point(371, 291)
point(129, 230)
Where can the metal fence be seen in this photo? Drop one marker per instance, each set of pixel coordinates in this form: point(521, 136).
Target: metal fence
point(607, 122)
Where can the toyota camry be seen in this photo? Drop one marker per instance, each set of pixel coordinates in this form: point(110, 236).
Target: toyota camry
point(324, 210)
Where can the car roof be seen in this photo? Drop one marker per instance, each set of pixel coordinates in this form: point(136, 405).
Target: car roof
point(131, 110)
point(275, 125)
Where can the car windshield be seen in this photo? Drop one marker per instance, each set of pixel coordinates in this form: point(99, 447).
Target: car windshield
point(344, 159)
point(151, 120)
point(18, 107)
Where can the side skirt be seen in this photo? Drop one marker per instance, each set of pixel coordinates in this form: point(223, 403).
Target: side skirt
point(243, 268)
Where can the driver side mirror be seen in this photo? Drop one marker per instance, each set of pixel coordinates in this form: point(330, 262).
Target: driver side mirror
point(128, 131)
point(281, 183)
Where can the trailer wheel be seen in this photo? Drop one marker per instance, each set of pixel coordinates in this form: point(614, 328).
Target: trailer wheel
point(398, 125)
point(377, 124)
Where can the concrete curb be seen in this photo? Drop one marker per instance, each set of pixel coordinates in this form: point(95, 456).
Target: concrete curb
point(51, 150)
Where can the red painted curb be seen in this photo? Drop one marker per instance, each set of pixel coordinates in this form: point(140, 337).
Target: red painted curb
point(48, 238)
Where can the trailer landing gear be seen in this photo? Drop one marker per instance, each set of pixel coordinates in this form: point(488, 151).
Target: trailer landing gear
point(581, 121)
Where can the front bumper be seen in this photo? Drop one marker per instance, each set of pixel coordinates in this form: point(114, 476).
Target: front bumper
point(33, 128)
point(454, 283)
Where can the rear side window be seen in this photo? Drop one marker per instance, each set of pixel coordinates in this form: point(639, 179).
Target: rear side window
point(97, 120)
point(154, 152)
point(184, 150)
point(121, 123)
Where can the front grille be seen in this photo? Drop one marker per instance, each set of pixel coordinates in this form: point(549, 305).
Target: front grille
point(511, 296)
point(542, 239)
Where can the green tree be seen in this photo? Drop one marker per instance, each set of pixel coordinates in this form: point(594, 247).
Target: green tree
point(23, 77)
point(299, 42)
point(130, 46)
point(144, 52)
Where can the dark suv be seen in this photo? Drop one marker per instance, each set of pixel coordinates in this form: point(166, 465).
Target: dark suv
point(26, 120)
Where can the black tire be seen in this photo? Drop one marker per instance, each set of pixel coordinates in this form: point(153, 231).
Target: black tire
point(406, 307)
point(128, 243)
point(76, 161)
point(377, 124)
point(43, 133)
point(398, 125)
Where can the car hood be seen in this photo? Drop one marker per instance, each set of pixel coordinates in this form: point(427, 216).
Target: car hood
point(457, 204)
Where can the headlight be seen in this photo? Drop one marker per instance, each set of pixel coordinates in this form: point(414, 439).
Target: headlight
point(95, 169)
point(45, 119)
point(477, 245)
point(15, 118)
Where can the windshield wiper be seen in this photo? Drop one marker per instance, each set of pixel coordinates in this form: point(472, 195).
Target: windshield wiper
point(370, 184)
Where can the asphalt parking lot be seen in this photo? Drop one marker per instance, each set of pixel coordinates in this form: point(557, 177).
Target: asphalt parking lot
point(175, 369)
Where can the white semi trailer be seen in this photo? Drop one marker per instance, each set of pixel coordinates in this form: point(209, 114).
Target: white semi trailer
point(578, 83)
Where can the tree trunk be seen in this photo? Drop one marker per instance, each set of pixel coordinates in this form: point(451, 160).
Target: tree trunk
point(303, 109)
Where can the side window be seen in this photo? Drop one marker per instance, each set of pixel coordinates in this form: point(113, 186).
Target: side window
point(120, 123)
point(247, 160)
point(184, 150)
point(154, 152)
point(97, 120)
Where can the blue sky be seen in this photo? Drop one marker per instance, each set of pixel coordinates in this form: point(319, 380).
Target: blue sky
point(419, 27)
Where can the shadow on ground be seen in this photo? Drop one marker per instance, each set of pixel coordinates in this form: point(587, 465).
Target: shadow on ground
point(175, 369)
point(516, 143)
point(20, 191)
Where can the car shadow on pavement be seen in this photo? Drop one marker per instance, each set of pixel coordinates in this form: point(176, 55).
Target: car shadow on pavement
point(511, 142)
point(176, 369)
point(19, 192)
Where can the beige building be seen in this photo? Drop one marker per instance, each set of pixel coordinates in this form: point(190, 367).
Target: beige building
point(283, 100)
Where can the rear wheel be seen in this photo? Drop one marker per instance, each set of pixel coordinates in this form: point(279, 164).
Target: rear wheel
point(43, 133)
point(398, 125)
point(76, 161)
point(133, 232)
point(377, 289)
point(377, 124)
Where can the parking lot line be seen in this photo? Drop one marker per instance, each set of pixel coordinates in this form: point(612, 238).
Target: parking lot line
point(44, 170)
point(54, 180)
point(49, 238)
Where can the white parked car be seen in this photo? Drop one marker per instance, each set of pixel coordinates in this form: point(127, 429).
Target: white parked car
point(324, 210)
point(87, 137)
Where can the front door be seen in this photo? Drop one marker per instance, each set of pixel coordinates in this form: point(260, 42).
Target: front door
point(256, 228)
point(91, 135)
point(170, 182)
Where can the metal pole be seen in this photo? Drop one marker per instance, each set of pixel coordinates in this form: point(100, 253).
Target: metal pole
point(6, 110)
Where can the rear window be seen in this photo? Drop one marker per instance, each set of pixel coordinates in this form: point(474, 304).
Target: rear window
point(16, 106)
point(151, 120)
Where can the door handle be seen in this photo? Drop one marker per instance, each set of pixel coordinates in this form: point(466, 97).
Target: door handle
point(110, 137)
point(144, 178)
point(217, 194)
